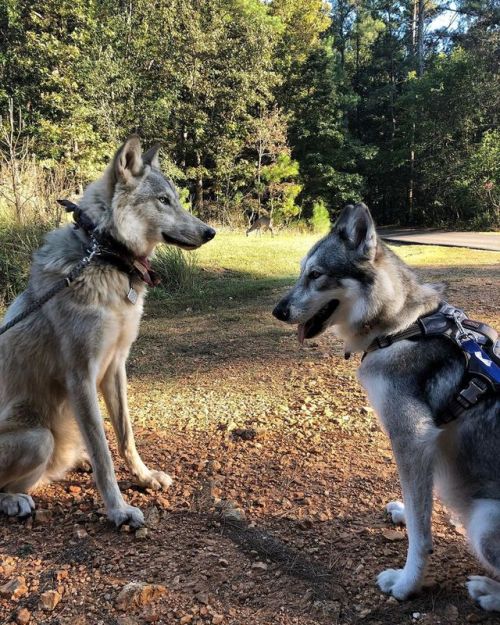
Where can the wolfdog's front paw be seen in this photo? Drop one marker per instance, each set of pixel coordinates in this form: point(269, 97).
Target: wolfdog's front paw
point(396, 510)
point(126, 515)
point(156, 480)
point(485, 591)
point(16, 504)
point(396, 583)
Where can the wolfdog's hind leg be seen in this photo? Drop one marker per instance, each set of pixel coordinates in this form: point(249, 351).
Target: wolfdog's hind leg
point(484, 535)
point(24, 455)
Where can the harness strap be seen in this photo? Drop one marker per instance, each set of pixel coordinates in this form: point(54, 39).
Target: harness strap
point(58, 286)
point(482, 367)
point(384, 341)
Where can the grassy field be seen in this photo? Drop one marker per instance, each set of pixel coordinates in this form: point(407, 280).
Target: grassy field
point(241, 268)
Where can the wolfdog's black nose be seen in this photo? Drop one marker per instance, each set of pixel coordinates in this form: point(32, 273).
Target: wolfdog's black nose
point(209, 234)
point(282, 311)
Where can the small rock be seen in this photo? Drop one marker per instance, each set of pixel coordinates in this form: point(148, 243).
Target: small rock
point(392, 600)
point(217, 619)
point(202, 597)
point(142, 533)
point(260, 566)
point(80, 533)
point(416, 615)
point(23, 616)
point(49, 600)
point(14, 588)
point(330, 608)
point(451, 612)
point(126, 619)
point(223, 563)
point(163, 502)
point(244, 434)
point(44, 517)
point(152, 516)
point(187, 618)
point(75, 490)
point(151, 614)
point(229, 512)
point(62, 574)
point(138, 594)
point(393, 535)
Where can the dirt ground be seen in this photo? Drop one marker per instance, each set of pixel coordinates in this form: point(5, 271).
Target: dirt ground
point(276, 515)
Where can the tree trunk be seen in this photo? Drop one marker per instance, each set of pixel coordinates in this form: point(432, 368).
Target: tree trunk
point(420, 37)
point(198, 190)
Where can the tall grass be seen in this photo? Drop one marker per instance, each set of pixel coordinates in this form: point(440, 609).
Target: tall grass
point(177, 270)
point(17, 243)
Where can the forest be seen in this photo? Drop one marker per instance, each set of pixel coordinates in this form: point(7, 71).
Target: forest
point(285, 107)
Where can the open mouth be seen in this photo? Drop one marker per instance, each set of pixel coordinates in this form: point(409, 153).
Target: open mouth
point(316, 324)
point(182, 244)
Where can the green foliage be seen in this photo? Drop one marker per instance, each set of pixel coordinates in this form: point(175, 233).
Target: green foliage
point(322, 144)
point(234, 88)
point(320, 218)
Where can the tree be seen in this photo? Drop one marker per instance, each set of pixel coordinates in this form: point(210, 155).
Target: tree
point(320, 139)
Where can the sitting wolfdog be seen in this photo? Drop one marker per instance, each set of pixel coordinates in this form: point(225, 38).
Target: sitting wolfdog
point(54, 360)
point(441, 431)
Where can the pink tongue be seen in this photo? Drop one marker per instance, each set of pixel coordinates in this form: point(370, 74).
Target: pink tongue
point(301, 333)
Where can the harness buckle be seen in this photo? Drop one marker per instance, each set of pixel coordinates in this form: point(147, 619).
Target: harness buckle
point(472, 392)
point(384, 341)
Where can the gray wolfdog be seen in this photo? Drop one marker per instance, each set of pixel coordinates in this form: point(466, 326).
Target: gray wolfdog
point(54, 361)
point(351, 280)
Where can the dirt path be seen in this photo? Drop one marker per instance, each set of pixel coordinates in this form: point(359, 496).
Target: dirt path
point(235, 410)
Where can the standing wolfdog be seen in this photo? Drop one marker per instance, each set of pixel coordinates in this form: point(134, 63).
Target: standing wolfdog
point(352, 281)
point(53, 362)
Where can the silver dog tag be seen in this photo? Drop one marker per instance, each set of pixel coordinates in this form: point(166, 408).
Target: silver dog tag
point(132, 295)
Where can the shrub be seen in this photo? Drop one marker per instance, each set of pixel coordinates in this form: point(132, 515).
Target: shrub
point(17, 244)
point(320, 220)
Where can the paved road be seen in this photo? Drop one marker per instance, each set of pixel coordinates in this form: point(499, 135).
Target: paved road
point(474, 240)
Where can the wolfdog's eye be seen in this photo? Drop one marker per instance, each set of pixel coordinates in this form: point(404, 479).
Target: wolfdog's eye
point(314, 275)
point(164, 199)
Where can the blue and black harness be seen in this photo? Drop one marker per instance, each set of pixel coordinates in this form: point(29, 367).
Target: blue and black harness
point(478, 343)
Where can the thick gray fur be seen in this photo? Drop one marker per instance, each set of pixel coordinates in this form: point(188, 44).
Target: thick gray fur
point(53, 363)
point(408, 384)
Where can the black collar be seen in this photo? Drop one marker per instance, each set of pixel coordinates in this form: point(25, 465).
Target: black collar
point(111, 251)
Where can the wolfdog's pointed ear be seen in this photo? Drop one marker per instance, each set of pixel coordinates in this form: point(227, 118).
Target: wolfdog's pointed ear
point(357, 228)
point(151, 157)
point(128, 160)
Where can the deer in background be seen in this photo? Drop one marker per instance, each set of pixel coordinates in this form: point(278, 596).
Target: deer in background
point(259, 224)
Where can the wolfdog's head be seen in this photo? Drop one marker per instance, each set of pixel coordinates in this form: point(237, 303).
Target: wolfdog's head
point(137, 204)
point(337, 275)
